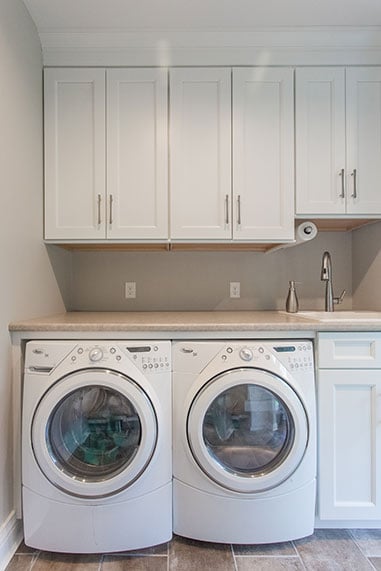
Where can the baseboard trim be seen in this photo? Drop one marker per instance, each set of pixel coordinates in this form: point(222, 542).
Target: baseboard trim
point(10, 538)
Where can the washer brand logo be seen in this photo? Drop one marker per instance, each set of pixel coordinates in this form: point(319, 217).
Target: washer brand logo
point(38, 351)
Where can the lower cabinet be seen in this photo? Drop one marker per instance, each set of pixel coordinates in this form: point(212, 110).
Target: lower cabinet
point(349, 421)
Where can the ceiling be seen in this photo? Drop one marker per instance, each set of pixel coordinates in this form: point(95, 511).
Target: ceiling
point(93, 15)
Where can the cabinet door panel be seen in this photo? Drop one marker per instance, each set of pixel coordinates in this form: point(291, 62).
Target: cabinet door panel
point(364, 139)
point(200, 147)
point(263, 153)
point(320, 140)
point(349, 444)
point(137, 154)
point(74, 153)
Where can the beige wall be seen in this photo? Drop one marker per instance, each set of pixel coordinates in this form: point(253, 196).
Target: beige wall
point(28, 286)
point(367, 267)
point(200, 280)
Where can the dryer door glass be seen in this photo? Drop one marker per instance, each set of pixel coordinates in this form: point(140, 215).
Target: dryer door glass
point(93, 433)
point(248, 430)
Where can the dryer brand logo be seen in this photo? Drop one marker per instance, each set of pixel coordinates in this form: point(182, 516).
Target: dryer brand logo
point(189, 351)
point(40, 352)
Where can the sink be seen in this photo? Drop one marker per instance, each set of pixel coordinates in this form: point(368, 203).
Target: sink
point(341, 315)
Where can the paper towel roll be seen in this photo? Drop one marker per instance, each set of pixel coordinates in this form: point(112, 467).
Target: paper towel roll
point(304, 232)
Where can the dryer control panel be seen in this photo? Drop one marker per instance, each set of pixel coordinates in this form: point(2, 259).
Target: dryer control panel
point(295, 356)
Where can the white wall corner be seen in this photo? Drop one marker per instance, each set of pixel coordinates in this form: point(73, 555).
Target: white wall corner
point(10, 538)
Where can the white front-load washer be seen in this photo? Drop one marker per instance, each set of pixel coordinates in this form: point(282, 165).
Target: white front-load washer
point(244, 440)
point(96, 445)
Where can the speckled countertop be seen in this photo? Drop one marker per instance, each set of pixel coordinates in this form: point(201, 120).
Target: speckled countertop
point(196, 321)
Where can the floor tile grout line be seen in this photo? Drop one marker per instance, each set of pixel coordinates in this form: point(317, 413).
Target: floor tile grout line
point(121, 555)
point(35, 557)
point(267, 556)
point(299, 555)
point(351, 535)
point(371, 564)
point(234, 557)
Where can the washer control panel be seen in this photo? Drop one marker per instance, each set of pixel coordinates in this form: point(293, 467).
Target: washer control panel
point(148, 357)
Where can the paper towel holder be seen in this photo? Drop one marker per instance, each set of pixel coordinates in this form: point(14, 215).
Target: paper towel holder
point(304, 232)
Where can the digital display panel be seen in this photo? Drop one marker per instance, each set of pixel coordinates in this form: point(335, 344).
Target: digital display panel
point(144, 349)
point(285, 349)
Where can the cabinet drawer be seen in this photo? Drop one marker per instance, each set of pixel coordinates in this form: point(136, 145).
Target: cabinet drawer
point(349, 350)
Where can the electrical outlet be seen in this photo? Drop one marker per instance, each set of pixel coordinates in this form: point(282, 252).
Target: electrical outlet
point(130, 290)
point(235, 289)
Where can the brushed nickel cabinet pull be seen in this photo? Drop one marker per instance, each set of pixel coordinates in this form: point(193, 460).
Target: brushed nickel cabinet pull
point(342, 173)
point(111, 199)
point(239, 210)
point(354, 174)
point(99, 201)
point(226, 209)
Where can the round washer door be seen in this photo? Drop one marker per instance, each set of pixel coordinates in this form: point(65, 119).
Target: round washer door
point(247, 430)
point(94, 433)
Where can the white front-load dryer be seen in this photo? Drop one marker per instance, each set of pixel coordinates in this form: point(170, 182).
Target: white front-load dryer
point(96, 445)
point(244, 440)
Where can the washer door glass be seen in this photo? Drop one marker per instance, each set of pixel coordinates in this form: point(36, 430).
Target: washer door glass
point(247, 430)
point(94, 433)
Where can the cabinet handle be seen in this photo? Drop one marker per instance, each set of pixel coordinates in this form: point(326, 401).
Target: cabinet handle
point(239, 210)
point(226, 209)
point(99, 201)
point(111, 199)
point(342, 194)
point(354, 174)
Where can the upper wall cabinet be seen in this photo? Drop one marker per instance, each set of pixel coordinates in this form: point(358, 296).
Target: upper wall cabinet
point(253, 199)
point(137, 153)
point(74, 153)
point(338, 141)
point(263, 153)
point(106, 183)
point(200, 153)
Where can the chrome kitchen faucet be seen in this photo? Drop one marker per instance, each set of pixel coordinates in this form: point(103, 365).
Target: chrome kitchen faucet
point(326, 276)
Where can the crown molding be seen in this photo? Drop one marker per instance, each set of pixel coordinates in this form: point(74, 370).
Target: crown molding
point(245, 46)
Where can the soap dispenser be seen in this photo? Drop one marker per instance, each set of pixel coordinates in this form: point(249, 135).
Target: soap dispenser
point(292, 304)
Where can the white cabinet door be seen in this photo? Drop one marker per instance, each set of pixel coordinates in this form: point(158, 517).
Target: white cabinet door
point(338, 141)
point(263, 153)
point(349, 444)
point(200, 153)
point(74, 153)
point(364, 140)
point(137, 154)
point(320, 140)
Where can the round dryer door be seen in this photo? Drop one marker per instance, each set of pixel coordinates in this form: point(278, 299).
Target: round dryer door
point(247, 430)
point(94, 433)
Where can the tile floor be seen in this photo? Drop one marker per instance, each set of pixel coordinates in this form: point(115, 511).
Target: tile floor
point(326, 550)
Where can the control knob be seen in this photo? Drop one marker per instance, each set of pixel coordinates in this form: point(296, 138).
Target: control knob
point(246, 354)
point(96, 354)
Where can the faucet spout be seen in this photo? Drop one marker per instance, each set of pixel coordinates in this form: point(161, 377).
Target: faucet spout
point(326, 267)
